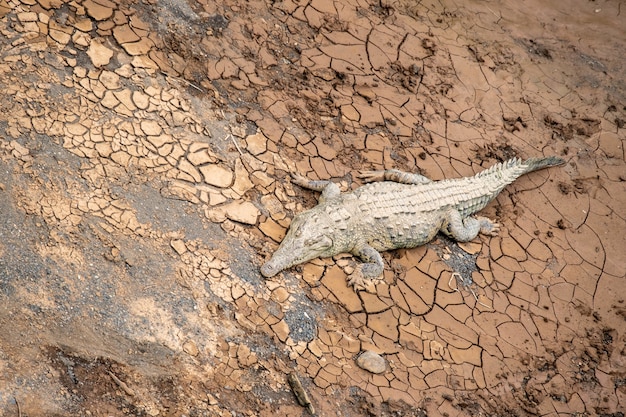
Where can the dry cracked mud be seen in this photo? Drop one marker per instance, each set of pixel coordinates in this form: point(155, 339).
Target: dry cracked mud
point(144, 154)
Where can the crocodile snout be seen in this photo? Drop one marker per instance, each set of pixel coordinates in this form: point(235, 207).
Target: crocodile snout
point(269, 269)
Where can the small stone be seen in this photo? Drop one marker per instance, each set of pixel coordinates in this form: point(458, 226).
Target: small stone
point(104, 149)
point(80, 72)
point(179, 246)
point(200, 157)
point(280, 295)
point(160, 140)
point(99, 54)
point(124, 97)
point(126, 71)
point(372, 362)
point(76, 129)
point(81, 38)
point(18, 149)
point(471, 247)
point(211, 399)
point(84, 25)
point(242, 179)
point(191, 348)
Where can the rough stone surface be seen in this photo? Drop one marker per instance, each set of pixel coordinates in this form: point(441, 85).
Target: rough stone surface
point(372, 362)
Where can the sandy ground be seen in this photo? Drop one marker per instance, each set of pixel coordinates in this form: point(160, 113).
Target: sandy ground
point(144, 156)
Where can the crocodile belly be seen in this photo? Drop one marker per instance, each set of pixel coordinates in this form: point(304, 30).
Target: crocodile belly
point(405, 231)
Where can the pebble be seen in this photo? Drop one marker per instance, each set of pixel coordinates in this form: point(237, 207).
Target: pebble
point(372, 362)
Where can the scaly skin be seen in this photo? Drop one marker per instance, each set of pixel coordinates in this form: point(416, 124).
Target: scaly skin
point(400, 210)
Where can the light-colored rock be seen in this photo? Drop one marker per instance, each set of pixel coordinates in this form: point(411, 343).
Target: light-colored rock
point(179, 246)
point(191, 348)
point(109, 100)
point(372, 362)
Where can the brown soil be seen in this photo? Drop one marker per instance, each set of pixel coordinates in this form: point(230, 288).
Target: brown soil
point(144, 148)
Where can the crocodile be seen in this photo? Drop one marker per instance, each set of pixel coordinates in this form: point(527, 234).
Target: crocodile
point(393, 210)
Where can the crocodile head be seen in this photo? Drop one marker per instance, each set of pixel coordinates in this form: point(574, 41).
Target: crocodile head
point(310, 236)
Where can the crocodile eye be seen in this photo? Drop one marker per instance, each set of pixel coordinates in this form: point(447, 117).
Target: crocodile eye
point(321, 241)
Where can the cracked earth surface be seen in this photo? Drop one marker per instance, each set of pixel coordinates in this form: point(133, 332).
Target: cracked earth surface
point(144, 155)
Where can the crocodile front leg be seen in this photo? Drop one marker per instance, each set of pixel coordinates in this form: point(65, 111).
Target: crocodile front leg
point(370, 270)
point(328, 188)
point(466, 229)
point(393, 175)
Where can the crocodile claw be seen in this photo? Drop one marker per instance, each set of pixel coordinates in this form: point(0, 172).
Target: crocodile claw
point(371, 176)
point(360, 283)
point(488, 227)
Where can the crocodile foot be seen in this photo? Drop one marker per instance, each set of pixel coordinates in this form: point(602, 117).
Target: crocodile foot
point(371, 176)
point(488, 226)
point(360, 283)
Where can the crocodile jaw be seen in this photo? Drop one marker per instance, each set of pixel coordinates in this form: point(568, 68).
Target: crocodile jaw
point(310, 236)
point(296, 251)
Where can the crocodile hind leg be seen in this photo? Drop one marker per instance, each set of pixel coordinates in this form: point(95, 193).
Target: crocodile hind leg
point(393, 175)
point(369, 271)
point(466, 229)
point(328, 188)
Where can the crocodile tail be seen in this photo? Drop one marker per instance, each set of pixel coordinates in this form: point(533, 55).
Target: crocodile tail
point(493, 180)
point(508, 171)
point(533, 164)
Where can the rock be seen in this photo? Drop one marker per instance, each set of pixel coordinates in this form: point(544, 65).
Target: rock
point(179, 246)
point(372, 362)
point(191, 348)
